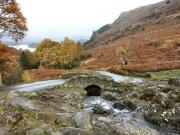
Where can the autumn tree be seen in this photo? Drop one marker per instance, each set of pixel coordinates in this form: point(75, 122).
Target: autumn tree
point(9, 66)
point(12, 21)
point(70, 53)
point(48, 52)
point(65, 54)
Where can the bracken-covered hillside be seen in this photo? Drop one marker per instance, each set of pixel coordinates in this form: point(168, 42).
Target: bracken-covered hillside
point(149, 38)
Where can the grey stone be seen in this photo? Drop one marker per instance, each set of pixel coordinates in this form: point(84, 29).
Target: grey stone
point(119, 105)
point(101, 111)
point(174, 81)
point(82, 120)
point(72, 131)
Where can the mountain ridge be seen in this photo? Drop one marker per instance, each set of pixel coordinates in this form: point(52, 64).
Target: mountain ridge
point(132, 21)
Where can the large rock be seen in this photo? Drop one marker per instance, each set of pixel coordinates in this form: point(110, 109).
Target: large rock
point(132, 128)
point(102, 111)
point(174, 81)
point(116, 126)
point(119, 105)
point(82, 120)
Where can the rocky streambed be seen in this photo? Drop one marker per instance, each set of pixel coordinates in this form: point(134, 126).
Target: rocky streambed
point(93, 105)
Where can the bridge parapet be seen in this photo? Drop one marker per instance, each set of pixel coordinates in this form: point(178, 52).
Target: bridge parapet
point(84, 81)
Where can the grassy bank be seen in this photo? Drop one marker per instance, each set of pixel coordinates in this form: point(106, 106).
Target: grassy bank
point(152, 75)
point(162, 74)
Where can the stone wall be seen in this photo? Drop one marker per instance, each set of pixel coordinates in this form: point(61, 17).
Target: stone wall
point(87, 80)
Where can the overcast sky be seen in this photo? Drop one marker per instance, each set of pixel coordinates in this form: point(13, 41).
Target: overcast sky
point(76, 19)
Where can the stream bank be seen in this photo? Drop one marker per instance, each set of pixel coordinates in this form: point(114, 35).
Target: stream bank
point(150, 107)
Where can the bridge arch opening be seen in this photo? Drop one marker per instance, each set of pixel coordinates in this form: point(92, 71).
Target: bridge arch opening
point(93, 90)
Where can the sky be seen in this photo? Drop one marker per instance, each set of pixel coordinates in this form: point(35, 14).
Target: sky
point(76, 19)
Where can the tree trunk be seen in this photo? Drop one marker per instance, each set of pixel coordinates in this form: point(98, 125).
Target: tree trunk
point(1, 84)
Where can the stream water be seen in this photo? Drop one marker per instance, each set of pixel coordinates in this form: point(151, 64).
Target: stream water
point(124, 114)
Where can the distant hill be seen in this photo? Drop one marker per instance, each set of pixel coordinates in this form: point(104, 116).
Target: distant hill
point(133, 22)
point(148, 38)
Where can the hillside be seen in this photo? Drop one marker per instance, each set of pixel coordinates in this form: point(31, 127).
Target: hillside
point(133, 22)
point(149, 37)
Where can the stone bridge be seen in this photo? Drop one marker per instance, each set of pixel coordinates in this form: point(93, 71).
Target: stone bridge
point(94, 85)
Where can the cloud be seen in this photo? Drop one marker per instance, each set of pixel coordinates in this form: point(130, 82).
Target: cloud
point(60, 18)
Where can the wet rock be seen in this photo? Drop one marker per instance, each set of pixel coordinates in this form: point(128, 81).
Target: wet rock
point(101, 111)
point(82, 120)
point(130, 104)
point(109, 96)
point(174, 81)
point(119, 105)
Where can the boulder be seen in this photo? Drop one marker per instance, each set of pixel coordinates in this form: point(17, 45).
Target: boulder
point(132, 128)
point(82, 120)
point(174, 81)
point(101, 111)
point(119, 105)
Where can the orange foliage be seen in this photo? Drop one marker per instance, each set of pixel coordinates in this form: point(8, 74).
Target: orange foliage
point(12, 22)
point(9, 66)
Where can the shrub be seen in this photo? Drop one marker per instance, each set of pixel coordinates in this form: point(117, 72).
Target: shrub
point(28, 60)
point(25, 64)
point(26, 77)
point(177, 17)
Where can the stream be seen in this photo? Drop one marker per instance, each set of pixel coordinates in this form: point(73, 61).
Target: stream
point(90, 102)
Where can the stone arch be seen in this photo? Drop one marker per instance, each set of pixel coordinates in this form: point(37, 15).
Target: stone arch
point(93, 90)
